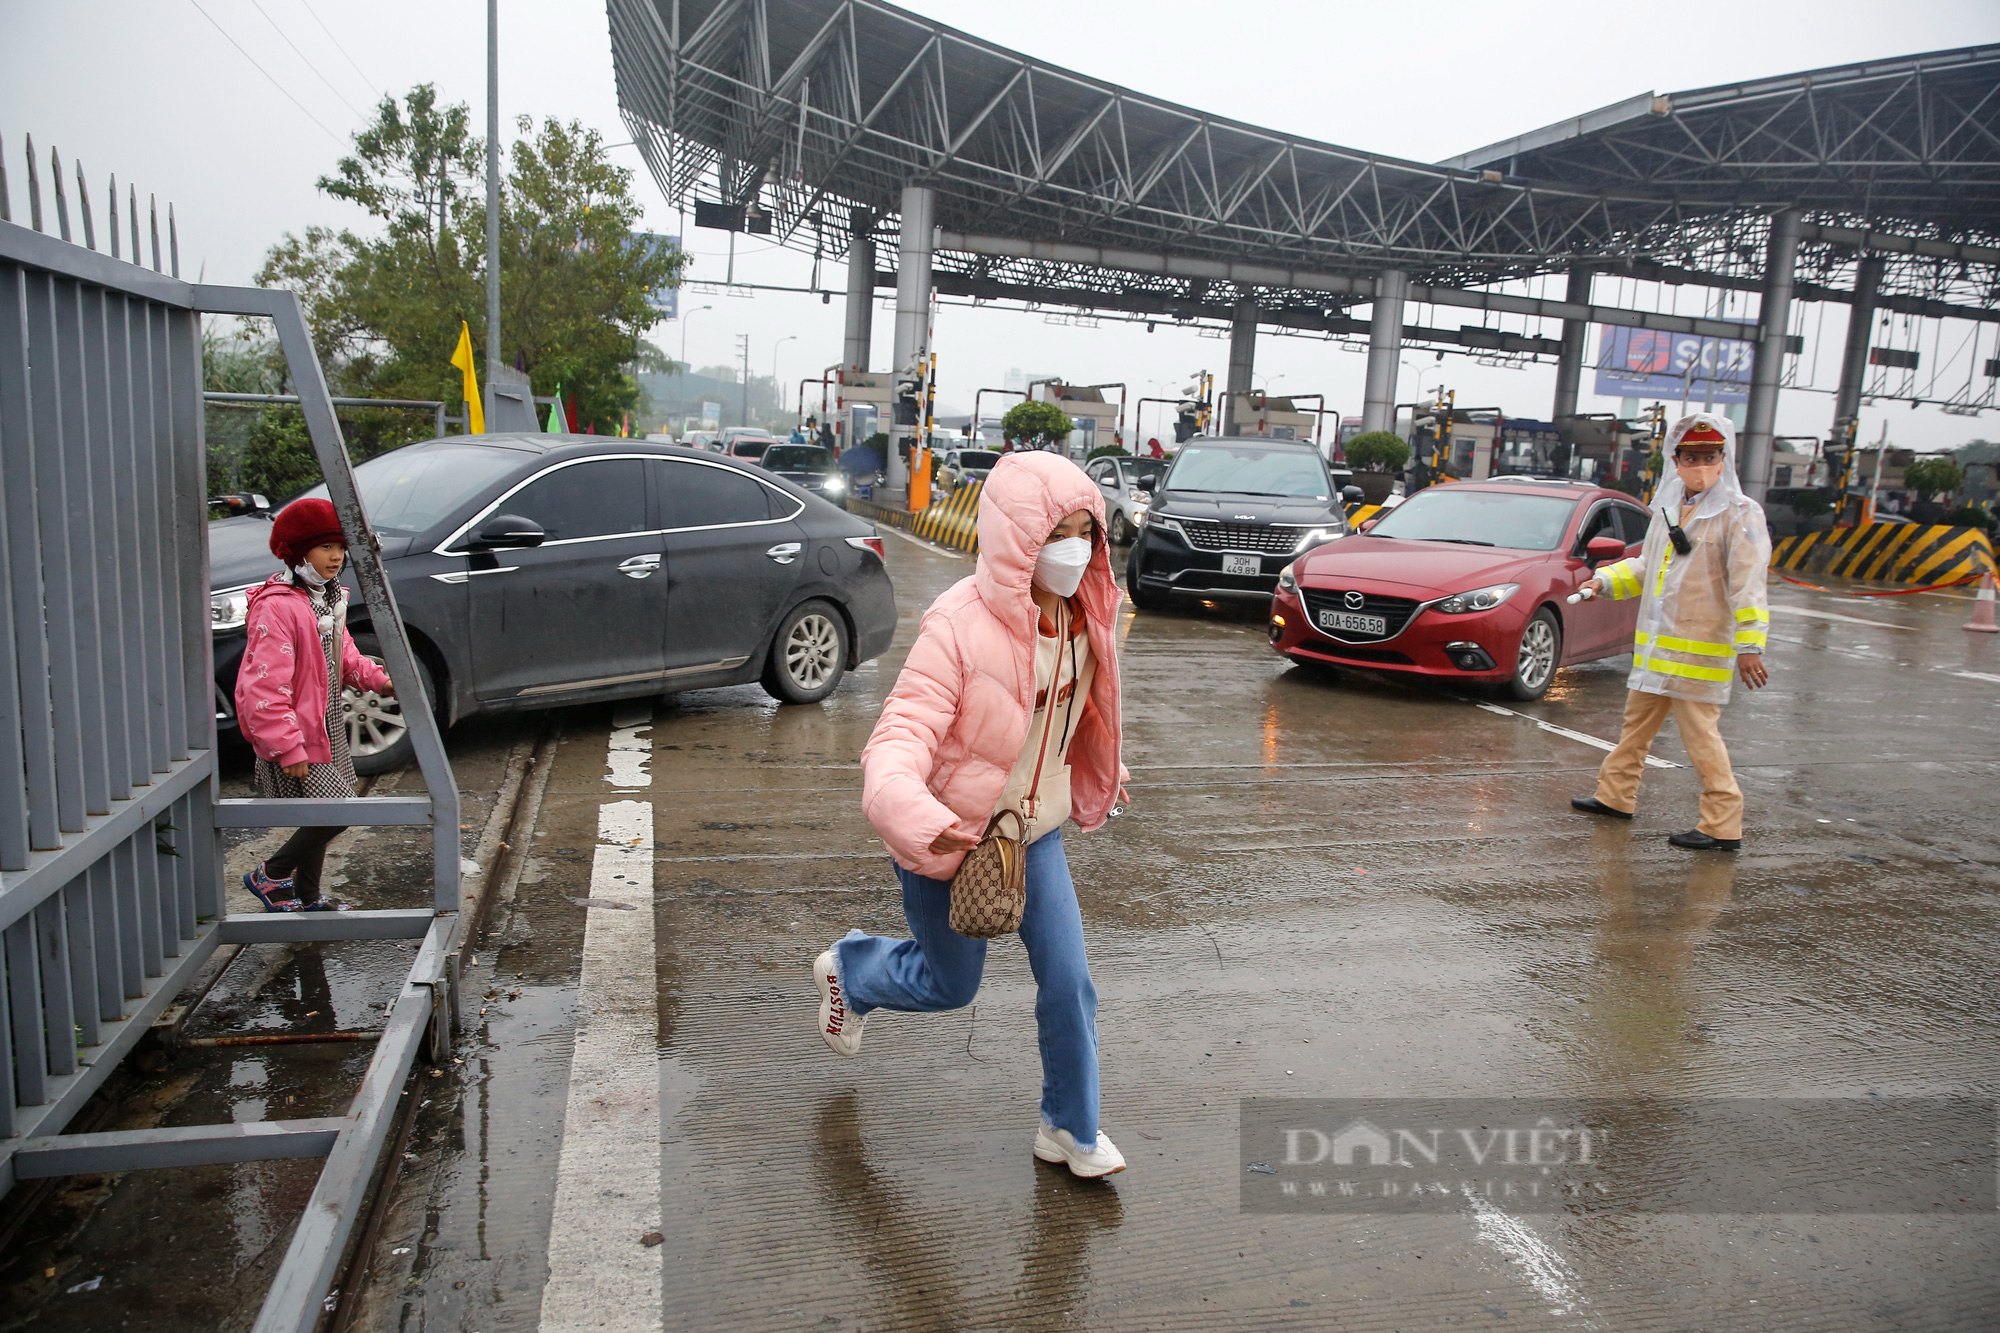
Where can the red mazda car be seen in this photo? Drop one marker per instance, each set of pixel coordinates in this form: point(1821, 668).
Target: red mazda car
point(1467, 582)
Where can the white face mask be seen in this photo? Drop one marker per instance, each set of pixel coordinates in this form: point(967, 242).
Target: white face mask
point(305, 571)
point(1059, 568)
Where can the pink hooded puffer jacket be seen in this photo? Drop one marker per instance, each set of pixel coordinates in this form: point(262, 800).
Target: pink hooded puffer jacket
point(281, 684)
point(958, 715)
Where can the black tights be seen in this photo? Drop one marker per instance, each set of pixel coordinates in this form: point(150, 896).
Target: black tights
point(302, 857)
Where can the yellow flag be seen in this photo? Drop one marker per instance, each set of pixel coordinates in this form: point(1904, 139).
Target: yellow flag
point(462, 358)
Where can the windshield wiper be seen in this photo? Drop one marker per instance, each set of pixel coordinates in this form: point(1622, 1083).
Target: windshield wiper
point(1462, 541)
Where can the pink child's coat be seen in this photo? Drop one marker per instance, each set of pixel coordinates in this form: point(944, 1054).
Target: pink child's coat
point(956, 719)
point(283, 675)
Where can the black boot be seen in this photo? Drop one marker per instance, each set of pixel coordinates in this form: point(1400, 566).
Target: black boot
point(1697, 841)
point(1590, 805)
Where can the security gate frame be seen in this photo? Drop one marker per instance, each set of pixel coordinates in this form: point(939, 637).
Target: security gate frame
point(111, 892)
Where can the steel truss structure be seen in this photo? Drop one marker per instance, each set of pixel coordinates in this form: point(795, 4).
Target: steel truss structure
point(818, 113)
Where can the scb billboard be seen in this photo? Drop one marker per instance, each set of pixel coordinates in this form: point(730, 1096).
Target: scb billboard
point(1645, 363)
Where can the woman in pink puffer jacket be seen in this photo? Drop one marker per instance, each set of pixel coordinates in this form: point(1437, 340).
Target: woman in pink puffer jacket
point(1008, 700)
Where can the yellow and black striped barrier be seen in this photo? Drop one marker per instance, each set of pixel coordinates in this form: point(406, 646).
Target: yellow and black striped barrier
point(951, 521)
point(1888, 553)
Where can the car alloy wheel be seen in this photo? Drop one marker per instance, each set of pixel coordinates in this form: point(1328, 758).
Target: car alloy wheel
point(374, 724)
point(812, 650)
point(1540, 650)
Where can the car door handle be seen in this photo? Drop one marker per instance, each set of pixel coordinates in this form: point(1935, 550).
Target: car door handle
point(639, 566)
point(785, 552)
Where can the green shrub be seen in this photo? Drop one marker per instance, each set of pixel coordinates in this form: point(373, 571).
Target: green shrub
point(1036, 423)
point(1109, 451)
point(1970, 516)
point(1933, 476)
point(1378, 451)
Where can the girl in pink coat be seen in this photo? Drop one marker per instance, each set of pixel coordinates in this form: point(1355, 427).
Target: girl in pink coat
point(288, 695)
point(1009, 700)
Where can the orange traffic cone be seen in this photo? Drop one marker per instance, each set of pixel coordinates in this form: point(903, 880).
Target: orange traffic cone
point(1982, 610)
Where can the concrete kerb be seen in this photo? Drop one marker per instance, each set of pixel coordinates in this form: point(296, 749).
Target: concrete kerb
point(1917, 553)
point(951, 521)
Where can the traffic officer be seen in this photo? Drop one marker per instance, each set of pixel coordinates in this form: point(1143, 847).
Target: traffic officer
point(1700, 584)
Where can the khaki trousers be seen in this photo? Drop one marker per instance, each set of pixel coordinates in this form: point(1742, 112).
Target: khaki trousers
point(1618, 779)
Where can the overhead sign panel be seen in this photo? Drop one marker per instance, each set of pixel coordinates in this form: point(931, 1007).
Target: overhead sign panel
point(1645, 363)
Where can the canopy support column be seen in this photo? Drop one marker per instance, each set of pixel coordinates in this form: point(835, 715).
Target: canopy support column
point(860, 293)
point(913, 311)
point(1242, 362)
point(1569, 363)
point(1854, 357)
point(1385, 346)
point(1760, 418)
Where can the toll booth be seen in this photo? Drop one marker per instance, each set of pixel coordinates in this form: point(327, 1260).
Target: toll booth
point(1259, 414)
point(1097, 421)
point(1605, 449)
point(862, 405)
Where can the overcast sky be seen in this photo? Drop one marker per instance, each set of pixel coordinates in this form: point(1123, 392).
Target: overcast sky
point(159, 92)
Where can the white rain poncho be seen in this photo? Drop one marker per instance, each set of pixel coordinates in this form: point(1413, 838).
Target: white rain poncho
point(1698, 611)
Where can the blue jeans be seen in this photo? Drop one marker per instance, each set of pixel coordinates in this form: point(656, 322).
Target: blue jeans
point(940, 969)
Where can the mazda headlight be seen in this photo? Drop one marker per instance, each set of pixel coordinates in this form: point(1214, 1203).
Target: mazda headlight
point(1288, 579)
point(228, 610)
point(1480, 599)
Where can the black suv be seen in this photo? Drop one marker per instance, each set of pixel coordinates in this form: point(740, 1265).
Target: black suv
point(1228, 515)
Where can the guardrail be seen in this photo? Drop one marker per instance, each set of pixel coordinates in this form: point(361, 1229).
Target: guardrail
point(110, 866)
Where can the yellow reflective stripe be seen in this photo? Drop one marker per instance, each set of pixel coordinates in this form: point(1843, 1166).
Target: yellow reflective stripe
point(1752, 613)
point(1692, 672)
point(1666, 559)
point(1750, 638)
point(1699, 646)
point(1622, 579)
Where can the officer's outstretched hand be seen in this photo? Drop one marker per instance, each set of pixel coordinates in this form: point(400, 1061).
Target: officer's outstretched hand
point(1751, 667)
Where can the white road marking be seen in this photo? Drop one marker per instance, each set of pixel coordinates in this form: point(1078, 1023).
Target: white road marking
point(630, 754)
point(1604, 745)
point(1835, 615)
point(608, 1176)
point(919, 541)
point(1977, 675)
point(1543, 1268)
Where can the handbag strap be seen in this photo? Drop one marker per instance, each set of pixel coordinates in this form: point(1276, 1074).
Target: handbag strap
point(1031, 806)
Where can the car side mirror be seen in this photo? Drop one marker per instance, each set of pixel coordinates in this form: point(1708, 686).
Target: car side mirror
point(1369, 524)
point(1600, 549)
point(1107, 483)
point(1147, 483)
point(1353, 495)
point(504, 530)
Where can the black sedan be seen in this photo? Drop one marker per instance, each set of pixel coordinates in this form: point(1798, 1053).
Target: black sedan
point(1227, 516)
point(540, 570)
point(809, 466)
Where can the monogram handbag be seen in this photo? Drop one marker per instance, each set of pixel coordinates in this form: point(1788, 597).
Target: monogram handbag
point(990, 890)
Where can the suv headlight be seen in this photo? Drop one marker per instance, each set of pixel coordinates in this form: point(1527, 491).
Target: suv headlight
point(836, 483)
point(228, 610)
point(1317, 537)
point(1166, 524)
point(1480, 599)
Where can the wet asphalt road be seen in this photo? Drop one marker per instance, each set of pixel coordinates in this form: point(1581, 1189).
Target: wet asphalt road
point(1328, 886)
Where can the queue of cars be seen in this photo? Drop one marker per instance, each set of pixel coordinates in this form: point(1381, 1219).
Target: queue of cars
point(539, 570)
point(1466, 582)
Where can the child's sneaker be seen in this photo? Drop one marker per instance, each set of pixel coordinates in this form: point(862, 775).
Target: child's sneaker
point(838, 1028)
point(275, 894)
point(1059, 1145)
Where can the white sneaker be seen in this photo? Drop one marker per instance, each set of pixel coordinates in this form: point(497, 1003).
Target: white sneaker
point(1059, 1145)
point(838, 1028)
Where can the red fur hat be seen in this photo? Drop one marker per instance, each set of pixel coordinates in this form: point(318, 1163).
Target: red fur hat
point(302, 525)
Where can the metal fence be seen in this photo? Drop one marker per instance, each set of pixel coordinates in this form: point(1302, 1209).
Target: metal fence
point(110, 867)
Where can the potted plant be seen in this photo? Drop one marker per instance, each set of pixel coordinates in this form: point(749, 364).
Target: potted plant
point(1377, 456)
point(1036, 425)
